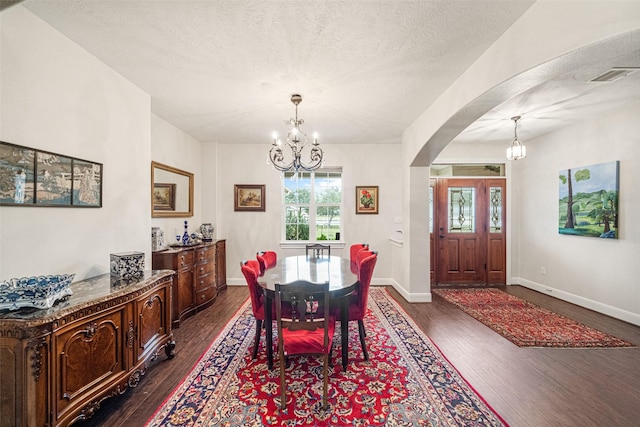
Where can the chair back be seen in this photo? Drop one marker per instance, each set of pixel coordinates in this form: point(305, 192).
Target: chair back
point(266, 259)
point(250, 269)
point(318, 250)
point(307, 309)
point(353, 252)
point(366, 263)
point(307, 329)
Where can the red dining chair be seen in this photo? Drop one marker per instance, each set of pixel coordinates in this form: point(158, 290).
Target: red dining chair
point(353, 252)
point(267, 259)
point(366, 261)
point(308, 328)
point(250, 270)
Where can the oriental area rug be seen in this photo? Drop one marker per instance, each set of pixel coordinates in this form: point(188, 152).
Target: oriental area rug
point(524, 323)
point(406, 381)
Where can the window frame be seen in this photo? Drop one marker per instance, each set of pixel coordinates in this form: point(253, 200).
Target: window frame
point(313, 207)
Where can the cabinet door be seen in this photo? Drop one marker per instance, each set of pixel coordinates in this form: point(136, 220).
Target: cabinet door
point(154, 317)
point(87, 354)
point(183, 295)
point(221, 265)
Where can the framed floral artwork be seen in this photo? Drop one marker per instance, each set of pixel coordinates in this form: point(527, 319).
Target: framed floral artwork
point(249, 197)
point(367, 199)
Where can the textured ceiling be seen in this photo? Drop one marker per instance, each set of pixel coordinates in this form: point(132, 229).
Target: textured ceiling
point(223, 71)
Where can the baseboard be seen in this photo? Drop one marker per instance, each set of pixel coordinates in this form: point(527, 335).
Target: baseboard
point(614, 312)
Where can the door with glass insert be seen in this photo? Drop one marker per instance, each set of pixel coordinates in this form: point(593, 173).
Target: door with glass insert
point(468, 232)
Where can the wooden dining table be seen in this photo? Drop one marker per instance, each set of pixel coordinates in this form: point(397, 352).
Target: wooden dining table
point(342, 283)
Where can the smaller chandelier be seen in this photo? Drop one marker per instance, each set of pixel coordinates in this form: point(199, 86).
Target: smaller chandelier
point(298, 144)
point(517, 150)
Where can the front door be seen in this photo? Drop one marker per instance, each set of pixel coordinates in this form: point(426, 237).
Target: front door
point(468, 236)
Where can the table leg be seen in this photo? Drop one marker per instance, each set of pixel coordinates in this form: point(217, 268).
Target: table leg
point(268, 318)
point(344, 330)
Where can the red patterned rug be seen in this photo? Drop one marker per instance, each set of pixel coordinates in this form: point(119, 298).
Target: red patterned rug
point(406, 382)
point(526, 324)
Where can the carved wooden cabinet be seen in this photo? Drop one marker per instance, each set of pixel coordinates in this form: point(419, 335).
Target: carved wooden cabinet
point(221, 265)
point(198, 274)
point(59, 364)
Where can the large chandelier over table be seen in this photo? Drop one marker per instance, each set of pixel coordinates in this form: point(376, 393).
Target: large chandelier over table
point(298, 143)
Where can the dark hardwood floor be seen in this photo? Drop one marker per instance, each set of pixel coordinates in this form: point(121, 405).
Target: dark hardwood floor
point(526, 386)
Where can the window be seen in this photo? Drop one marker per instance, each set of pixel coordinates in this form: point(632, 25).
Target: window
point(312, 205)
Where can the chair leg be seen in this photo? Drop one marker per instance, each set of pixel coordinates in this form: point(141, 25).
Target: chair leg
point(362, 335)
point(283, 385)
point(325, 385)
point(256, 341)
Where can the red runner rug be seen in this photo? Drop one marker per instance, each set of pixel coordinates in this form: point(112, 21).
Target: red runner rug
point(526, 324)
point(405, 382)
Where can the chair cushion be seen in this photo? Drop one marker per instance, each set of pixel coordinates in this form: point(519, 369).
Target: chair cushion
point(304, 341)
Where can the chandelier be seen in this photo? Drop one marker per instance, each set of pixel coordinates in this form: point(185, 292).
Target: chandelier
point(517, 150)
point(298, 144)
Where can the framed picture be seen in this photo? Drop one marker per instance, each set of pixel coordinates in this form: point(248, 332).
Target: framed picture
point(367, 199)
point(17, 178)
point(249, 197)
point(87, 183)
point(588, 200)
point(53, 179)
point(30, 177)
point(164, 197)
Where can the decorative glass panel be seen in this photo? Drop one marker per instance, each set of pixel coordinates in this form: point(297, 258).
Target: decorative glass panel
point(430, 209)
point(461, 210)
point(495, 210)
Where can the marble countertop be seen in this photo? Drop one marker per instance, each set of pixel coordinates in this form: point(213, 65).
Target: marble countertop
point(86, 293)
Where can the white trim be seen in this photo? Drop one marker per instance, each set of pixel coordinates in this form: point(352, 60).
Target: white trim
point(614, 312)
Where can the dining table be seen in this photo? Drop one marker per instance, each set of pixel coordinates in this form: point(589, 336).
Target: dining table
point(343, 281)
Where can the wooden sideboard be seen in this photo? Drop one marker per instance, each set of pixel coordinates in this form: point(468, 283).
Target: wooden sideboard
point(221, 265)
point(59, 364)
point(200, 275)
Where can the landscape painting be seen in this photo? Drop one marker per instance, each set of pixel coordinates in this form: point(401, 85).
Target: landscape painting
point(588, 200)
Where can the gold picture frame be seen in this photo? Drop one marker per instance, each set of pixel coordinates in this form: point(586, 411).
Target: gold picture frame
point(249, 197)
point(367, 199)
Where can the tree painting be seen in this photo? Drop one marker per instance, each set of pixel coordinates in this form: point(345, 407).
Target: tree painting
point(588, 201)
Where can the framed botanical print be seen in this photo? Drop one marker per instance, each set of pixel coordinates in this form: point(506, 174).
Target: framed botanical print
point(367, 199)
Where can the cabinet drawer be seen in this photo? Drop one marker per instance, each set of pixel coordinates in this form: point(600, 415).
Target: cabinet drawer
point(204, 254)
point(205, 281)
point(185, 259)
point(206, 268)
point(207, 294)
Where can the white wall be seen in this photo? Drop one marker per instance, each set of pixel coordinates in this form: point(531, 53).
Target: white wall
point(55, 96)
point(363, 164)
point(173, 147)
point(601, 274)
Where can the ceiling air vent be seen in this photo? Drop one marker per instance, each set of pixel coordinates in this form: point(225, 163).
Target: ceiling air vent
point(614, 74)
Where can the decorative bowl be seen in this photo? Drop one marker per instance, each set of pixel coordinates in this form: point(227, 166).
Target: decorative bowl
point(37, 291)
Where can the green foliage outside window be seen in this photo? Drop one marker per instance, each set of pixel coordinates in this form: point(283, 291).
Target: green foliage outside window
point(320, 191)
